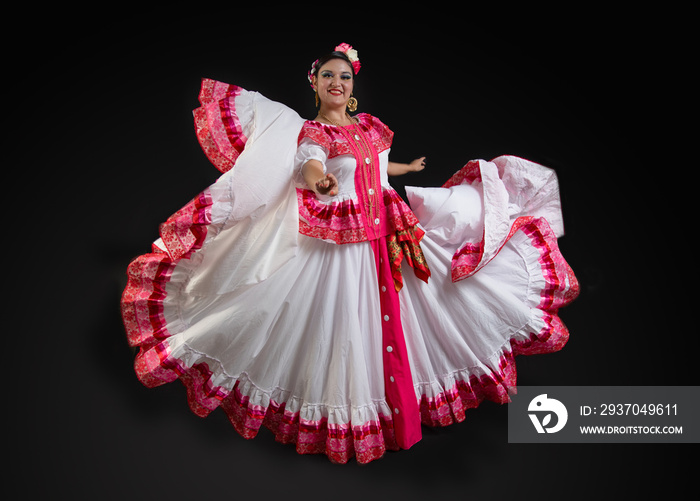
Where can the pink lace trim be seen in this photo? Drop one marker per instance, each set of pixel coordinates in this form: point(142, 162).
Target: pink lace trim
point(218, 129)
point(336, 142)
point(468, 174)
point(341, 222)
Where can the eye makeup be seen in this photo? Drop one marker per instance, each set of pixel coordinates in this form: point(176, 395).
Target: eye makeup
point(329, 74)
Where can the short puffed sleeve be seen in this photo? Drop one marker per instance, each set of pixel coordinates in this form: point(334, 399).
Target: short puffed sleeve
point(308, 150)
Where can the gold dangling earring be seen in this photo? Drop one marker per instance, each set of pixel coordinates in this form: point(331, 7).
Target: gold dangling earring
point(316, 97)
point(352, 104)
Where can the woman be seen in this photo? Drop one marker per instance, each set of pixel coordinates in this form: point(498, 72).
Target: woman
point(335, 86)
point(318, 303)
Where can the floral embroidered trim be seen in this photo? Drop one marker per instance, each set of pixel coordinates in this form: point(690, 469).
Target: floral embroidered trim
point(217, 126)
point(450, 405)
point(340, 442)
point(142, 299)
point(341, 222)
point(336, 142)
point(562, 286)
point(184, 231)
point(338, 221)
point(468, 174)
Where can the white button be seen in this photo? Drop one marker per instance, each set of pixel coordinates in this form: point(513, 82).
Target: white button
point(396, 410)
point(386, 319)
point(389, 349)
point(376, 221)
point(383, 289)
point(371, 191)
point(367, 160)
point(391, 378)
point(357, 138)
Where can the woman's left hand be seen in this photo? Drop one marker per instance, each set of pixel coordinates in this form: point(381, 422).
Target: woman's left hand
point(417, 165)
point(399, 169)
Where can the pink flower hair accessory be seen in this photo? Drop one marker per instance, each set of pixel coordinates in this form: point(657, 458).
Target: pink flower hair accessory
point(352, 55)
point(345, 49)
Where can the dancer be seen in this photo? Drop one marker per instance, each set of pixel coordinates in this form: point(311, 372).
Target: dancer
point(313, 300)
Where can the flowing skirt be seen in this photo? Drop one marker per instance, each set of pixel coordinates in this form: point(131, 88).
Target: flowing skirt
point(286, 331)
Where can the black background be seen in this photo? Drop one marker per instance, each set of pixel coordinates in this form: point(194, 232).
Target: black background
point(102, 150)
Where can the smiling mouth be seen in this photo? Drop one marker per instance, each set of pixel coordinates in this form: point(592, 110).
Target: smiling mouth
point(336, 92)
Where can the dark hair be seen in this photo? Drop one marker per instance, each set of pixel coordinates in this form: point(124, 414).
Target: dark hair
point(334, 55)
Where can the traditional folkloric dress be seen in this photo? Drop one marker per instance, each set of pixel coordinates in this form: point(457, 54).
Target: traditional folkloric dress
point(344, 323)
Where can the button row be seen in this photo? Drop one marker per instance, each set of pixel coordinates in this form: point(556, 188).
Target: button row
point(389, 349)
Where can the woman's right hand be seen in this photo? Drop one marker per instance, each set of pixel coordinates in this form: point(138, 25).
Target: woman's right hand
point(327, 185)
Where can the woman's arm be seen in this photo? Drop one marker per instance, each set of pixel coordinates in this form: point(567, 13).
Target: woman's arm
point(323, 184)
point(398, 169)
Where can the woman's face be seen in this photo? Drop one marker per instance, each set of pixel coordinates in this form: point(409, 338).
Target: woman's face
point(334, 83)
